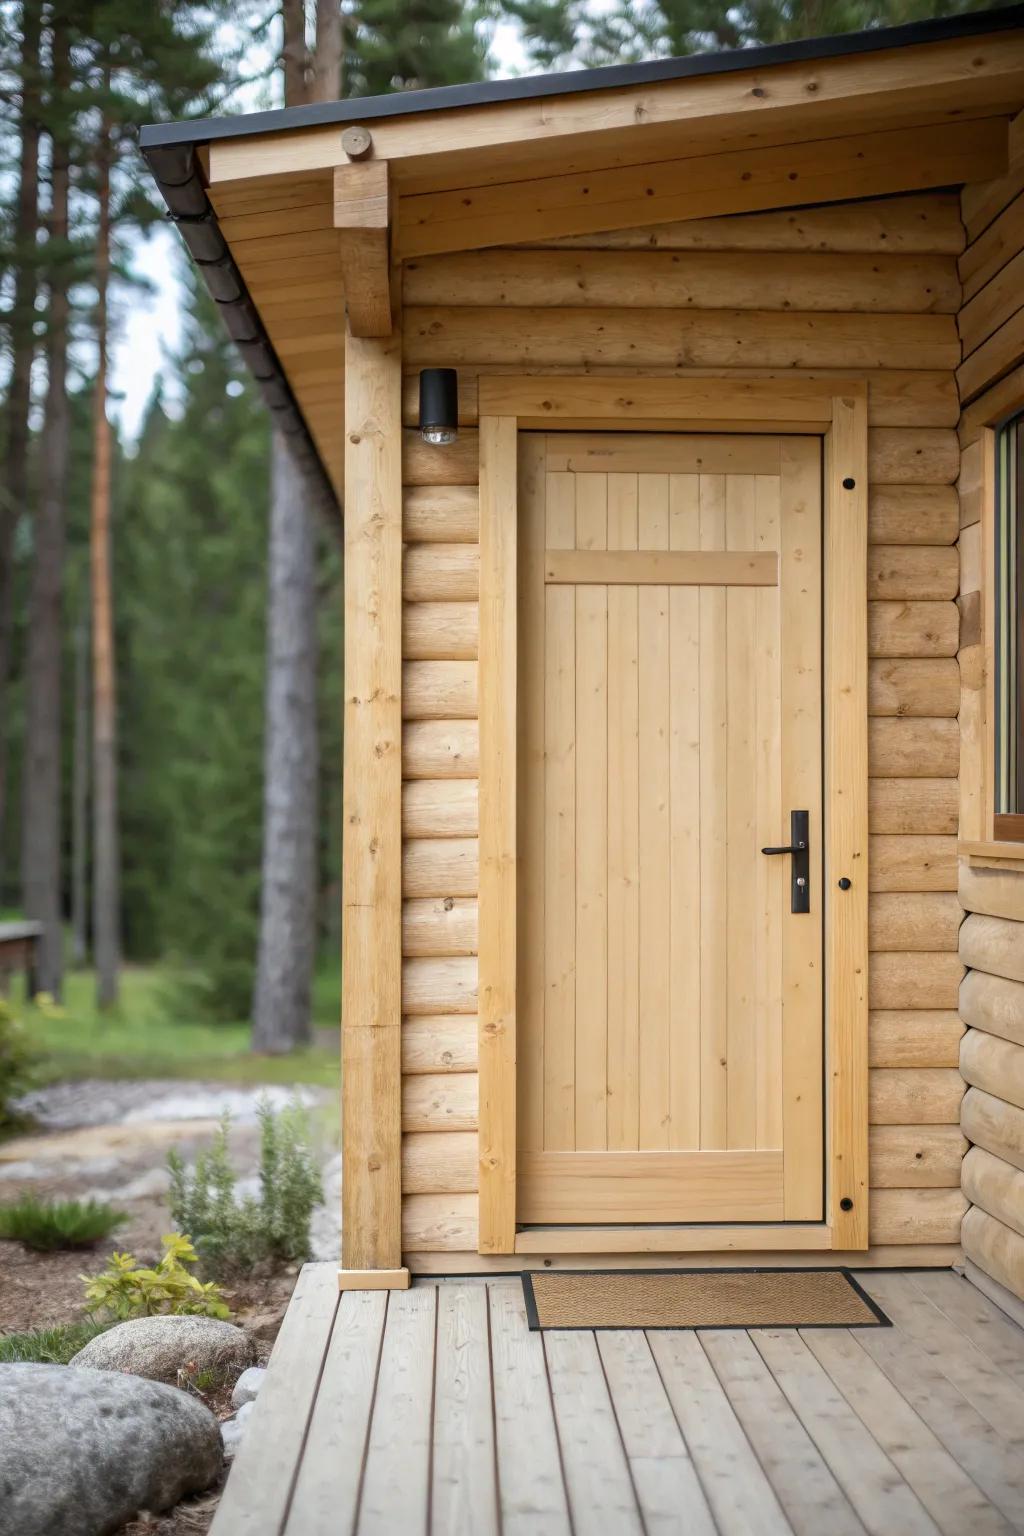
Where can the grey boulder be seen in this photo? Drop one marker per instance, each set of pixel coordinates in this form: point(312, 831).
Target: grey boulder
point(232, 1430)
point(161, 1347)
point(247, 1387)
point(82, 1451)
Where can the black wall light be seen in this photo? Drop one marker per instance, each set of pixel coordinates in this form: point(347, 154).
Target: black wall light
point(439, 405)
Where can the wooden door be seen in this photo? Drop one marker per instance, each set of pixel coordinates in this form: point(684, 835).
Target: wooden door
point(669, 1001)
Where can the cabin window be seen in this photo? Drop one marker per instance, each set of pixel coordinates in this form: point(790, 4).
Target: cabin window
point(1009, 631)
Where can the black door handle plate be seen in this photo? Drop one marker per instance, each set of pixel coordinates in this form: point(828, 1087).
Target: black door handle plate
point(799, 847)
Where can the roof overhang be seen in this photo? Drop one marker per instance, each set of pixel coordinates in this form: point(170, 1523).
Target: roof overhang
point(545, 157)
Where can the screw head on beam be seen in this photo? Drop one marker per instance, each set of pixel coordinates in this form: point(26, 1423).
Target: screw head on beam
point(356, 142)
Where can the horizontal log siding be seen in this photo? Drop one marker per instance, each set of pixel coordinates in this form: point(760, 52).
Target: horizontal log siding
point(845, 293)
point(991, 379)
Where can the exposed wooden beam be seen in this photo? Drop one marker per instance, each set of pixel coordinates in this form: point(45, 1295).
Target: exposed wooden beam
point(821, 96)
point(362, 218)
point(820, 170)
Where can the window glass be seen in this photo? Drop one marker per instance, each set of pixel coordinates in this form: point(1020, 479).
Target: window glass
point(1009, 619)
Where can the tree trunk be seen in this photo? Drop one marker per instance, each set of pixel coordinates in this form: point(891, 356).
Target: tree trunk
point(288, 909)
point(23, 348)
point(80, 799)
point(294, 51)
point(325, 81)
point(41, 792)
point(106, 894)
point(287, 943)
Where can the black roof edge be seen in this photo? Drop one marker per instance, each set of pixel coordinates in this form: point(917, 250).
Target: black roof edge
point(177, 175)
point(534, 87)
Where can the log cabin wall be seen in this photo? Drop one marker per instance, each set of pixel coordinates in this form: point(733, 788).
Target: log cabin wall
point(991, 380)
point(868, 289)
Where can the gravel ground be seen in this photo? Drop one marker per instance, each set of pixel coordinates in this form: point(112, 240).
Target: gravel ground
point(109, 1141)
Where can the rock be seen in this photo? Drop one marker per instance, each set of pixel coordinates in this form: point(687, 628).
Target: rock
point(82, 1451)
point(161, 1347)
point(248, 1385)
point(232, 1430)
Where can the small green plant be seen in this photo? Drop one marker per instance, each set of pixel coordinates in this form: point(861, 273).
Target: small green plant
point(125, 1289)
point(14, 1064)
point(232, 1235)
point(48, 1346)
point(48, 1225)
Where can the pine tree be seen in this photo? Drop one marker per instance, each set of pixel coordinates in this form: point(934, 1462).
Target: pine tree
point(562, 32)
point(288, 918)
point(136, 62)
point(400, 45)
point(191, 573)
point(21, 259)
point(41, 779)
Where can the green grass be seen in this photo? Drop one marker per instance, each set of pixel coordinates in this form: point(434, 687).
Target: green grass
point(48, 1346)
point(47, 1225)
point(142, 1037)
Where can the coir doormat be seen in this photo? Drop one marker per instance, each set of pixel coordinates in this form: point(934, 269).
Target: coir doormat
point(699, 1298)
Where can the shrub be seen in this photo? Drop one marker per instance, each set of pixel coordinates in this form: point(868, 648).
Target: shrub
point(14, 1063)
point(231, 1235)
point(125, 1289)
point(48, 1346)
point(48, 1225)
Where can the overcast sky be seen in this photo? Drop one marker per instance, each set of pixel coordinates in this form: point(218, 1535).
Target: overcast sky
point(148, 327)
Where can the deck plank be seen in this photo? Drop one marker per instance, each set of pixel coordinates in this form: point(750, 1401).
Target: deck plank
point(601, 1494)
point(995, 1466)
point(464, 1493)
point(806, 1488)
point(953, 1500)
point(664, 1477)
point(326, 1493)
point(437, 1410)
point(983, 1384)
point(531, 1488)
point(985, 1324)
point(741, 1497)
point(258, 1489)
point(396, 1482)
point(872, 1484)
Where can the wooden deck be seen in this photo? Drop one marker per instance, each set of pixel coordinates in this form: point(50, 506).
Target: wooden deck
point(435, 1410)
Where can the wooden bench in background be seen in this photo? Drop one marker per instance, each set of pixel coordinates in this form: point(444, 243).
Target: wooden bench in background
point(18, 943)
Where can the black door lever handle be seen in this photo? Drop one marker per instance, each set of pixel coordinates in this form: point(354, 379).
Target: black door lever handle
point(799, 831)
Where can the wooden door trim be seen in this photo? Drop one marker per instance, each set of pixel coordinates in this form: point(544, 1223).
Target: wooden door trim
point(836, 412)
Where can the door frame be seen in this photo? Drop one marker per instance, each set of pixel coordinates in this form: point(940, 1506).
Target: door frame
point(836, 411)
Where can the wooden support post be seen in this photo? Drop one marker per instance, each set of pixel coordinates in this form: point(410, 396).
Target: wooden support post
point(362, 219)
point(497, 943)
point(372, 879)
point(846, 819)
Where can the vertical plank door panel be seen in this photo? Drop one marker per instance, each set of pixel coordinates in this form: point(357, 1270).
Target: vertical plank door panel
point(655, 835)
point(591, 1068)
point(674, 722)
point(623, 830)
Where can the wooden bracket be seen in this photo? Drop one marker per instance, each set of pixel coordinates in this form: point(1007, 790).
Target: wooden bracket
point(362, 217)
